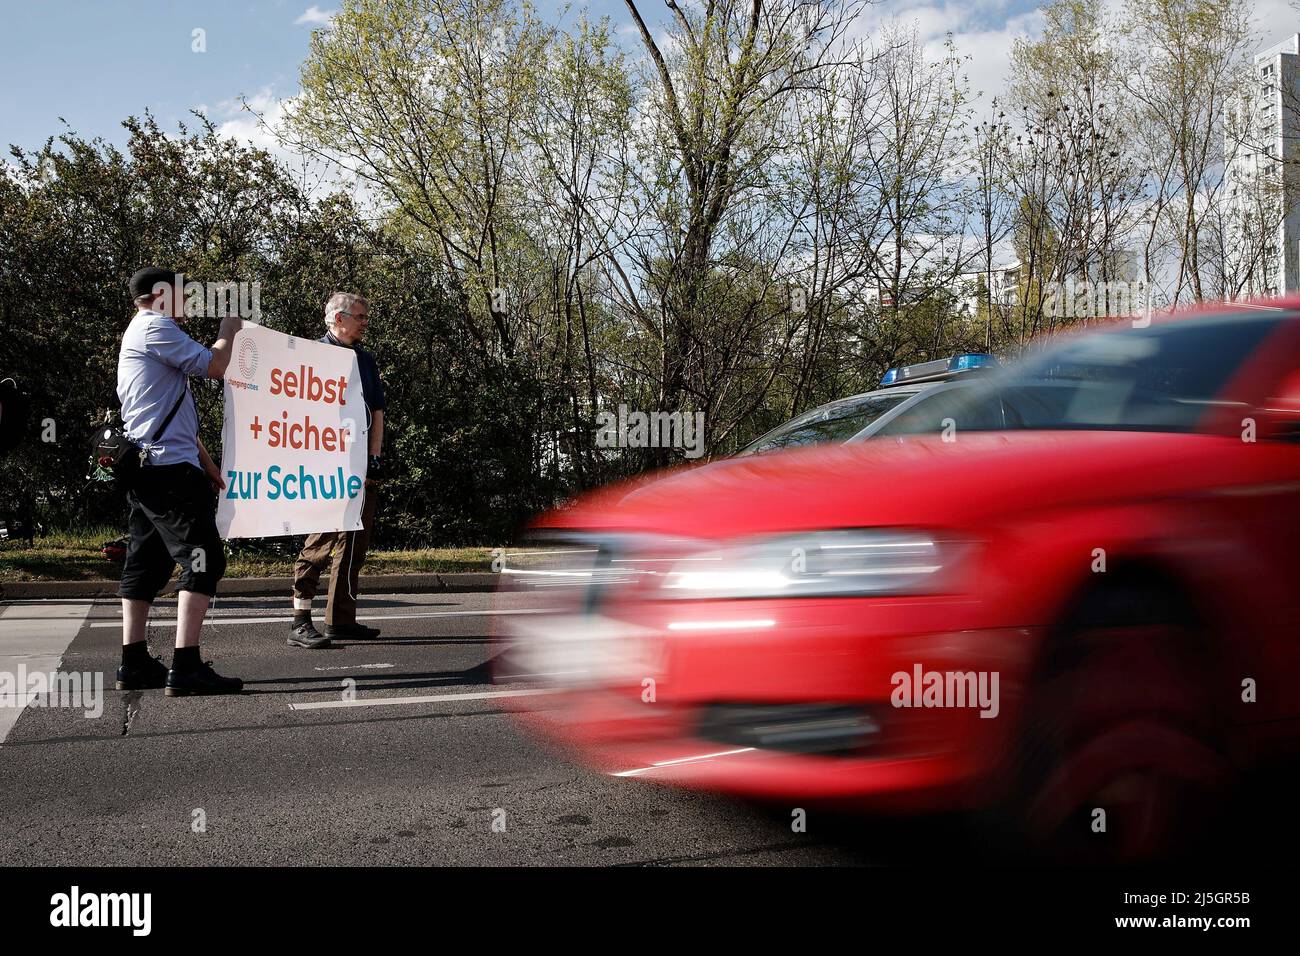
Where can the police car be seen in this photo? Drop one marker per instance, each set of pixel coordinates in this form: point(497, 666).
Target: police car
point(908, 396)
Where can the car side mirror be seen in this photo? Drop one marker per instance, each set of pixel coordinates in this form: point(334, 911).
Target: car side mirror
point(1279, 425)
point(1279, 419)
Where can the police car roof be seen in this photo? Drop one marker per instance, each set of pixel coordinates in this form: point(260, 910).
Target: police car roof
point(938, 370)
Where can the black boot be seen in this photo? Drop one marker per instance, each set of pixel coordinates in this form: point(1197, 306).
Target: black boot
point(143, 673)
point(304, 634)
point(200, 681)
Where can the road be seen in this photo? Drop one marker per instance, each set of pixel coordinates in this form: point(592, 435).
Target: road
point(259, 779)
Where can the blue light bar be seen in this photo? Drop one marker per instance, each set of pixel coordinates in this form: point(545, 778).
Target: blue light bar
point(938, 368)
point(971, 360)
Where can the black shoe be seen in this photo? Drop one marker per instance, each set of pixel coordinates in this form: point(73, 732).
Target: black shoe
point(306, 635)
point(149, 674)
point(354, 631)
point(201, 680)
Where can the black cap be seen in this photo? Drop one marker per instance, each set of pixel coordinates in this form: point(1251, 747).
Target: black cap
point(146, 279)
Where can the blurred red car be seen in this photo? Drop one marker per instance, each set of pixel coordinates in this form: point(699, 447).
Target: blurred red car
point(1081, 594)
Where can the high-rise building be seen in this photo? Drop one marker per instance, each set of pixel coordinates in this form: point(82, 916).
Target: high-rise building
point(1262, 175)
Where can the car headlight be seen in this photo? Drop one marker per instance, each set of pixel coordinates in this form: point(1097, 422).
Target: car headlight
point(820, 564)
point(560, 559)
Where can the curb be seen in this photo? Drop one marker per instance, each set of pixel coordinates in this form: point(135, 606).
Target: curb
point(461, 581)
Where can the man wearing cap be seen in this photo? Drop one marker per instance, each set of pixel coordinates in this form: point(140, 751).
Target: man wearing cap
point(347, 316)
point(173, 505)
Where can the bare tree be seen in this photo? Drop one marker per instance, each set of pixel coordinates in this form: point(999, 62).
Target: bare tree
point(915, 159)
point(1185, 58)
point(1080, 185)
point(424, 101)
point(721, 86)
point(993, 202)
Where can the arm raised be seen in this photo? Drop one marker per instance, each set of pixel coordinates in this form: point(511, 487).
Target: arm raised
point(223, 347)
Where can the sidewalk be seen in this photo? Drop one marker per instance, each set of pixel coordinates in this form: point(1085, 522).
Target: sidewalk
point(263, 587)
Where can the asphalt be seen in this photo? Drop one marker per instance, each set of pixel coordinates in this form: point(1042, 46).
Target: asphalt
point(416, 583)
point(402, 783)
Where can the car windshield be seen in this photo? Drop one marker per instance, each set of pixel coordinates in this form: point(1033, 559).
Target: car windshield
point(836, 422)
point(1155, 379)
point(931, 410)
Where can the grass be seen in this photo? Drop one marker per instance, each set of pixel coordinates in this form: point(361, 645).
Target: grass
point(76, 556)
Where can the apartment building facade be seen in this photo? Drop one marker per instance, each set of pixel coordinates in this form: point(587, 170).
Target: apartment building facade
point(1262, 176)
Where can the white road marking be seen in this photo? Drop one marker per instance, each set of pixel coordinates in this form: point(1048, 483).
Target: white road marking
point(429, 699)
point(208, 622)
point(36, 635)
point(547, 673)
point(670, 763)
point(352, 667)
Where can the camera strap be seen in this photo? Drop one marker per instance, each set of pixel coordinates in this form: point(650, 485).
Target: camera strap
point(185, 389)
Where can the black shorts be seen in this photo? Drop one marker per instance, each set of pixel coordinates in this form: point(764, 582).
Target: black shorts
point(173, 521)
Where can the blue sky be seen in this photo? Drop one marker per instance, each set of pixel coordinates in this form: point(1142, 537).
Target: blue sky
point(95, 62)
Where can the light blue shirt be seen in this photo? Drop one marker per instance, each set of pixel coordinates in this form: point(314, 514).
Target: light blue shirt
point(152, 367)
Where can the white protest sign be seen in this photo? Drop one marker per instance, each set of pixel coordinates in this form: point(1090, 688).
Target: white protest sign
point(294, 441)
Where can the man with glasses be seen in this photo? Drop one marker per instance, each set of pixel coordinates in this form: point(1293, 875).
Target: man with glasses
point(346, 319)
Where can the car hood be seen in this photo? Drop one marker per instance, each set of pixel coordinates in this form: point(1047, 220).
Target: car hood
point(917, 481)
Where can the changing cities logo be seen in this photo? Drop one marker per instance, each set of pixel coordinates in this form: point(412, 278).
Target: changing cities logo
point(247, 358)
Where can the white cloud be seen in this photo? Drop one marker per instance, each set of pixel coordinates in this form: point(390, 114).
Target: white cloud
point(980, 29)
point(1274, 21)
point(258, 121)
point(254, 120)
point(990, 55)
point(933, 21)
point(316, 16)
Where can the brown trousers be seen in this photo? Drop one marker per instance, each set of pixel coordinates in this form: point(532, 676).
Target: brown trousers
point(349, 551)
